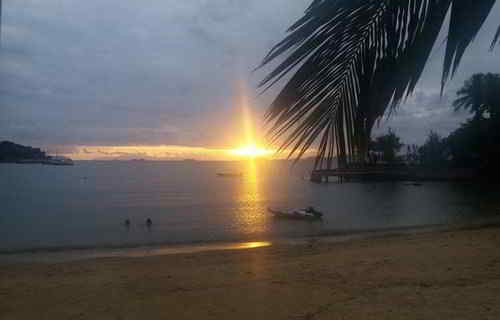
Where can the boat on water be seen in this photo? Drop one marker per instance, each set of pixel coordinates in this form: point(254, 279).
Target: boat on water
point(58, 161)
point(307, 214)
point(230, 174)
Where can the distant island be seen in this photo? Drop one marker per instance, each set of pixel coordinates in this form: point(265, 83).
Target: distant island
point(11, 152)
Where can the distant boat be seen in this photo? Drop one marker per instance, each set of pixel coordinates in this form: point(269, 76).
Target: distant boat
point(415, 184)
point(307, 214)
point(58, 161)
point(230, 174)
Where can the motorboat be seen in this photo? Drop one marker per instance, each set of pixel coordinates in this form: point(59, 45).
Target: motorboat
point(308, 214)
point(58, 161)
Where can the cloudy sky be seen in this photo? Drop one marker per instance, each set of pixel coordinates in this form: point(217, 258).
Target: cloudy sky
point(105, 78)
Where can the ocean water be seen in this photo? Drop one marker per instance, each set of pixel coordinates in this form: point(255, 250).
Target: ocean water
point(47, 207)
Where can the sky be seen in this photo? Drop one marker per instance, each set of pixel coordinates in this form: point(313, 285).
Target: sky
point(165, 79)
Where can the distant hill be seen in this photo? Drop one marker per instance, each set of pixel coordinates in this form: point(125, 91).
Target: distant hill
point(12, 152)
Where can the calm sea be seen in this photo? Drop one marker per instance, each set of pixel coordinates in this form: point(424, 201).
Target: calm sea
point(86, 205)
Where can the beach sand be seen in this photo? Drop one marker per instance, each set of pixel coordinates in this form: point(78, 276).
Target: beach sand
point(441, 275)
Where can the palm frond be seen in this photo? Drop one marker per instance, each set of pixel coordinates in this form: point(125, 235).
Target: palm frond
point(496, 39)
point(467, 17)
point(0, 22)
point(355, 60)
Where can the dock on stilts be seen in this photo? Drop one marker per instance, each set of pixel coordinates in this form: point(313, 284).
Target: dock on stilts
point(391, 174)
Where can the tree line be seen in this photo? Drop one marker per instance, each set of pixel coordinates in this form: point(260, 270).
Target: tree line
point(475, 144)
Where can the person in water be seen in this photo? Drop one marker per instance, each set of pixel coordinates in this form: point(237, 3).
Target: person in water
point(127, 223)
point(149, 223)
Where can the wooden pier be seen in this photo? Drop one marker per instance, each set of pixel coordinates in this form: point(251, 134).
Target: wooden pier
point(342, 175)
point(392, 174)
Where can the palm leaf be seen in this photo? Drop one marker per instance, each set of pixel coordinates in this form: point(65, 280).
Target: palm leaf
point(0, 21)
point(467, 17)
point(355, 61)
point(496, 39)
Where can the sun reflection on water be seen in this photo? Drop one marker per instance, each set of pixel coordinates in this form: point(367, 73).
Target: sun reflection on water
point(141, 252)
point(251, 214)
point(252, 174)
point(252, 245)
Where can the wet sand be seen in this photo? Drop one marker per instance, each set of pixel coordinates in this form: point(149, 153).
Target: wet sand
point(440, 275)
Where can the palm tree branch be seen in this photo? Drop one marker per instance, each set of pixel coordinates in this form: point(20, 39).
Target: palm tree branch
point(467, 18)
point(496, 39)
point(336, 79)
point(355, 60)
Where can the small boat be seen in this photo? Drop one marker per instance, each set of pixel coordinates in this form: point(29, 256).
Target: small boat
point(414, 184)
point(58, 161)
point(230, 174)
point(308, 214)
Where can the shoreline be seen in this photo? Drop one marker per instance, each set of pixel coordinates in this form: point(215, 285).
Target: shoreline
point(435, 275)
point(69, 254)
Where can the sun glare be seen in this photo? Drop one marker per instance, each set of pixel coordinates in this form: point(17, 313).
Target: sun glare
point(249, 147)
point(252, 151)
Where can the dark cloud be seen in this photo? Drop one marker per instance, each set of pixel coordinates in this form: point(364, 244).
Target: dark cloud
point(124, 72)
point(422, 113)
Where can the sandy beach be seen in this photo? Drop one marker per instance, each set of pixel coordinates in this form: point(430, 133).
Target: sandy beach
point(440, 275)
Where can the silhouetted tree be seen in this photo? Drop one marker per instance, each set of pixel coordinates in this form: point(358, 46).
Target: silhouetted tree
point(477, 142)
point(388, 145)
point(467, 145)
point(434, 152)
point(412, 154)
point(480, 96)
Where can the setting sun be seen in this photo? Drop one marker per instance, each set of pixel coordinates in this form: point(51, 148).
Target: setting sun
point(251, 151)
point(249, 147)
